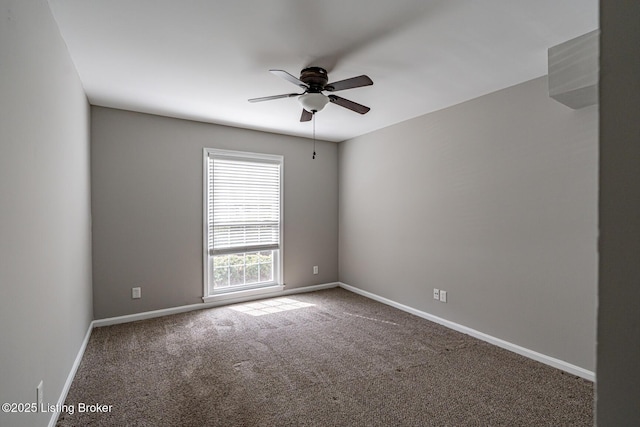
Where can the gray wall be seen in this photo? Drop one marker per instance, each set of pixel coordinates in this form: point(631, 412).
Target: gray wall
point(493, 200)
point(45, 240)
point(147, 207)
point(618, 387)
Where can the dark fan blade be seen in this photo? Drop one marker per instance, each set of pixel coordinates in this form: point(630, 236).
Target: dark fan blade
point(269, 98)
point(354, 106)
point(349, 83)
point(296, 81)
point(306, 116)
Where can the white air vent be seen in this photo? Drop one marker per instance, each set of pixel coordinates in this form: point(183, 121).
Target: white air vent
point(573, 71)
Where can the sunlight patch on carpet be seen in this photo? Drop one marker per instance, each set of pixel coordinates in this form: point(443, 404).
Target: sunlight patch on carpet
point(270, 306)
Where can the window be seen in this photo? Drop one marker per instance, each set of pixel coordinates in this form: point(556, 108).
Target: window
point(243, 227)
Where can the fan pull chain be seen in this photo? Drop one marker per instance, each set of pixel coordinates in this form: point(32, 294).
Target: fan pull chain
point(314, 134)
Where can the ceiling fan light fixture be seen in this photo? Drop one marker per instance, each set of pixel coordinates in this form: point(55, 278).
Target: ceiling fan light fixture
point(313, 102)
point(314, 81)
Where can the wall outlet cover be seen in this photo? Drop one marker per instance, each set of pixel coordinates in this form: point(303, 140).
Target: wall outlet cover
point(436, 294)
point(443, 296)
point(39, 397)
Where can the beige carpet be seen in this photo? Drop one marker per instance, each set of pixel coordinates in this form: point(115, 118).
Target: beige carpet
point(335, 359)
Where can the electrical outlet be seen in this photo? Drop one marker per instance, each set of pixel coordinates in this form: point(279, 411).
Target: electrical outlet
point(315, 269)
point(436, 294)
point(39, 397)
point(136, 293)
point(443, 296)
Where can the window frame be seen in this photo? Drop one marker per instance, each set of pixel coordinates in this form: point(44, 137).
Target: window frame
point(252, 289)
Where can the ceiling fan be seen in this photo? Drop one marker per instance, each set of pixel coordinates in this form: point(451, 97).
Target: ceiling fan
point(314, 81)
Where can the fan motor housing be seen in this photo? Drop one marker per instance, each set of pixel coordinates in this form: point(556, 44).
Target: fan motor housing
point(315, 77)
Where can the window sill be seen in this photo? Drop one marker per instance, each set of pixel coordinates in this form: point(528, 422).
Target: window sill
point(244, 293)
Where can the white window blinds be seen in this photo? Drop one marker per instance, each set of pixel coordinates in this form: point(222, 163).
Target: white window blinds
point(243, 204)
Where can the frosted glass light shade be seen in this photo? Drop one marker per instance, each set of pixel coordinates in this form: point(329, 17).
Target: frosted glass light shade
point(313, 101)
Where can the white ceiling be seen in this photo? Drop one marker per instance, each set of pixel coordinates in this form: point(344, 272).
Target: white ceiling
point(202, 59)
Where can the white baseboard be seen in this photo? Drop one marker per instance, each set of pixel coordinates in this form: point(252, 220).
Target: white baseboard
point(547, 360)
point(74, 368)
point(185, 308)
